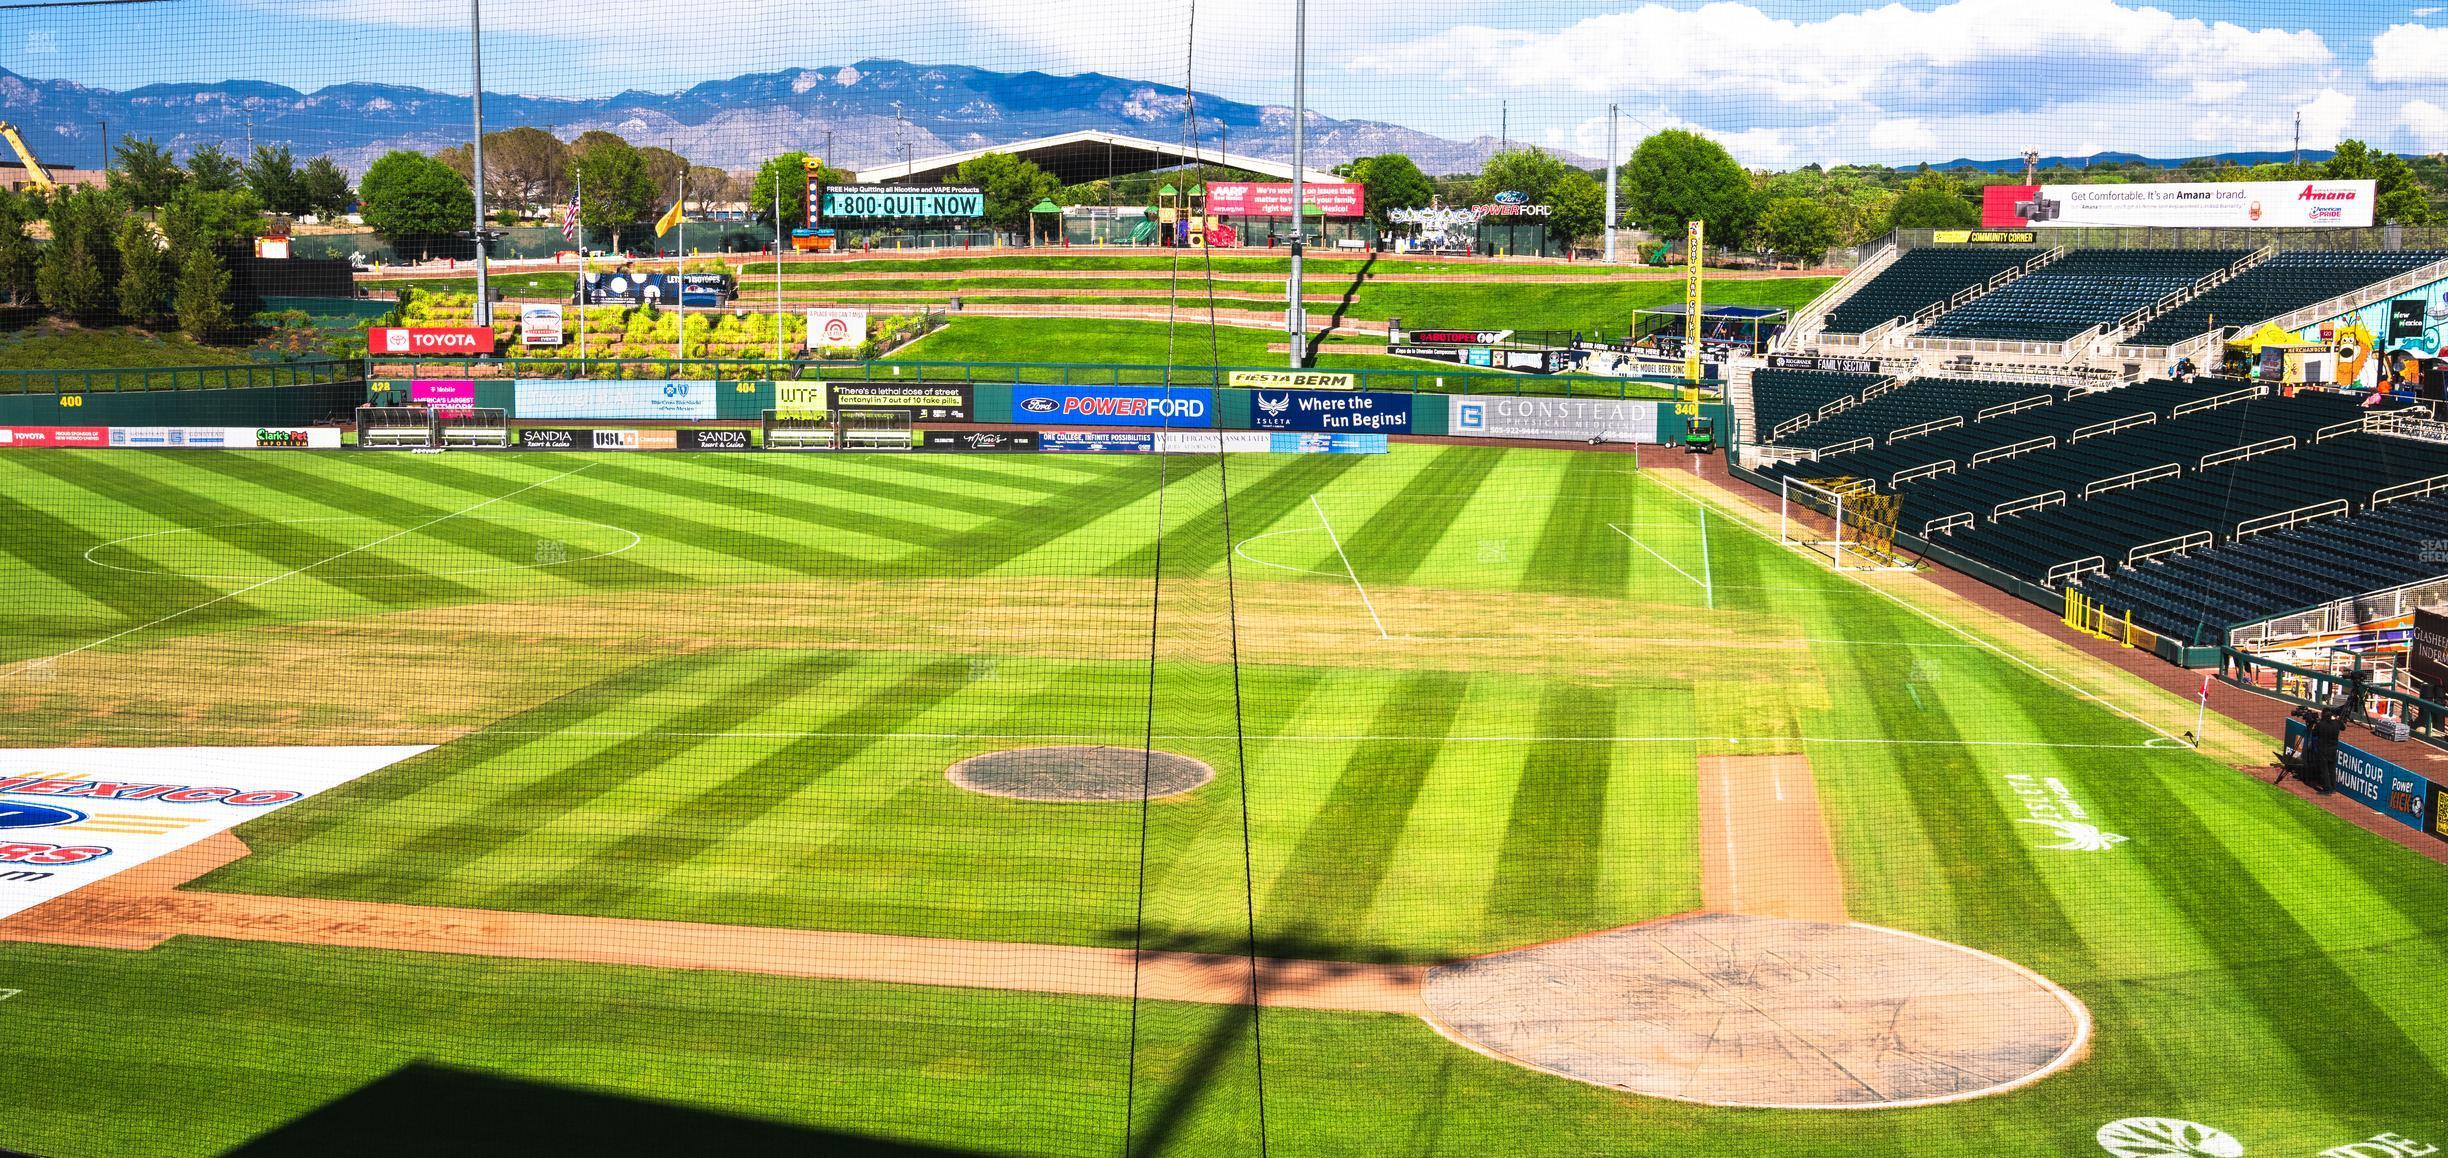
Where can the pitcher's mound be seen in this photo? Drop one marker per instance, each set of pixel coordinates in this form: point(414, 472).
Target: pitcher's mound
point(1080, 774)
point(1737, 1010)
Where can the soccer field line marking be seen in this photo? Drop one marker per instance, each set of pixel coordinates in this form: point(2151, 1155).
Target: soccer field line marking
point(1347, 567)
point(1708, 579)
point(1653, 552)
point(1237, 550)
point(1130, 737)
point(5, 994)
point(185, 611)
point(1985, 645)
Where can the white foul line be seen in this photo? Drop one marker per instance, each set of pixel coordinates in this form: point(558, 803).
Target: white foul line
point(1708, 581)
point(1347, 568)
point(297, 571)
point(1661, 558)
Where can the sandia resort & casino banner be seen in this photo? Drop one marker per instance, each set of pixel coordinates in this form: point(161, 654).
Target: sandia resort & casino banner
point(73, 816)
point(2193, 205)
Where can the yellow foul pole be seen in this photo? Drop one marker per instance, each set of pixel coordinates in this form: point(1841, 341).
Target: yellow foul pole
point(1694, 234)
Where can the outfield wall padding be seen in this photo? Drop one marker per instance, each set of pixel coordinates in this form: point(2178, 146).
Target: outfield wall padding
point(242, 406)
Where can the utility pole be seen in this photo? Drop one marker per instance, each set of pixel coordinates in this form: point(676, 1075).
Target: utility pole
point(828, 153)
point(1296, 322)
point(2299, 136)
point(1610, 192)
point(251, 130)
point(1504, 126)
point(2031, 165)
point(106, 148)
point(484, 289)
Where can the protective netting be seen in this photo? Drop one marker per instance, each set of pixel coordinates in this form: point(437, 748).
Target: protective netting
point(1301, 794)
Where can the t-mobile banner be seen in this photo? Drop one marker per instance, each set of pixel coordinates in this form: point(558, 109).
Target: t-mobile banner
point(443, 393)
point(2202, 205)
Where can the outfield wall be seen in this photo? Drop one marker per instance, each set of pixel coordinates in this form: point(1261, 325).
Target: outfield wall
point(305, 403)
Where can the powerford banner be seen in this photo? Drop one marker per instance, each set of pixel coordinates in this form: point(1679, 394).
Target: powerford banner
point(72, 816)
point(54, 436)
point(443, 393)
point(672, 401)
point(1274, 198)
point(2203, 205)
point(1191, 406)
point(1373, 411)
point(226, 437)
point(1560, 419)
point(418, 340)
point(2407, 797)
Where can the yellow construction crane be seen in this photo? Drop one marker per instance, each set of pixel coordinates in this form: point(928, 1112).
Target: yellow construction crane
point(36, 175)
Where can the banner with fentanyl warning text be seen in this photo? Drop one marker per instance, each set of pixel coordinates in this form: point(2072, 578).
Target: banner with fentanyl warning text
point(72, 816)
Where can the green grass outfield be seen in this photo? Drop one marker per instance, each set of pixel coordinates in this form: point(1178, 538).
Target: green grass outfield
point(1472, 684)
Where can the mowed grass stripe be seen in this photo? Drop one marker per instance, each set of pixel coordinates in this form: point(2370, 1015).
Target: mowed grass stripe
point(683, 491)
point(657, 522)
point(1045, 525)
point(393, 510)
point(1577, 553)
point(1547, 876)
point(705, 819)
point(1331, 882)
point(861, 479)
point(1398, 540)
point(808, 497)
point(56, 547)
point(1194, 541)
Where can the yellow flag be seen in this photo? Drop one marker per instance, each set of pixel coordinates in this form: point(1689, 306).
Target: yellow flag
point(671, 217)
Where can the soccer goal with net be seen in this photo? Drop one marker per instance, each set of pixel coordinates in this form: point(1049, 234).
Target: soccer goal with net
point(1844, 520)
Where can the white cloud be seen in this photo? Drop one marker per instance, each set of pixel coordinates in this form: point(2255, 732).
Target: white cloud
point(2427, 123)
point(2410, 52)
point(1904, 136)
point(2421, 12)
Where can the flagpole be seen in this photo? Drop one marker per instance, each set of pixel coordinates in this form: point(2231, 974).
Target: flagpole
point(578, 204)
point(777, 273)
point(680, 270)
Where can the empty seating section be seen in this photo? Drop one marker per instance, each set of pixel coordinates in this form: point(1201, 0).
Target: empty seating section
point(1919, 279)
point(2108, 527)
point(2069, 467)
point(2198, 597)
point(2284, 283)
point(1959, 444)
point(1912, 404)
point(1779, 396)
point(2083, 289)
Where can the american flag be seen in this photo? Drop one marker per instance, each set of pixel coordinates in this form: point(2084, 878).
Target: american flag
point(569, 220)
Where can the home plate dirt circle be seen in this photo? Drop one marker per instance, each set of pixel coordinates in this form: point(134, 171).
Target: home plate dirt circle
point(1080, 774)
point(1737, 1010)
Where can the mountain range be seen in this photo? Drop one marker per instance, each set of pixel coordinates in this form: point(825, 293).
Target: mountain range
point(876, 112)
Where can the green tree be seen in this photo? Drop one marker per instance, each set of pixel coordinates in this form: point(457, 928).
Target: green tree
point(1530, 171)
point(1012, 185)
point(144, 272)
point(663, 169)
point(144, 173)
point(614, 190)
point(412, 197)
point(526, 167)
point(78, 273)
point(1798, 228)
point(1931, 209)
point(2398, 196)
point(272, 175)
point(324, 188)
point(212, 170)
point(1676, 177)
point(1390, 181)
point(202, 219)
point(18, 254)
point(788, 172)
point(202, 297)
point(1576, 207)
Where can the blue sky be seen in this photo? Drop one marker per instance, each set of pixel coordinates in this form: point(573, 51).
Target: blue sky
point(1780, 82)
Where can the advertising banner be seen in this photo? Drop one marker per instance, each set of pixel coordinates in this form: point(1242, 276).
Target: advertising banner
point(1383, 413)
point(54, 436)
point(1831, 365)
point(2428, 656)
point(1454, 337)
point(799, 400)
point(1274, 198)
point(443, 393)
point(630, 288)
point(2192, 205)
point(676, 400)
point(939, 403)
point(635, 439)
point(1454, 354)
point(227, 437)
point(1095, 442)
point(1289, 442)
point(425, 340)
point(72, 816)
point(1184, 406)
point(1984, 237)
point(1292, 380)
point(979, 441)
point(540, 324)
point(1560, 419)
point(831, 329)
point(900, 202)
point(551, 438)
point(718, 439)
point(2406, 797)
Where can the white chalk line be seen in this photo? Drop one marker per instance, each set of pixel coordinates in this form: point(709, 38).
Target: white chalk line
point(125, 632)
point(1347, 568)
point(1238, 549)
point(1653, 552)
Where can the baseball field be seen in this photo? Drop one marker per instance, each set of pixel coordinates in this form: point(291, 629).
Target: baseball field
point(938, 804)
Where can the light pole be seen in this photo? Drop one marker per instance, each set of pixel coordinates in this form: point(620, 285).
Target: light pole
point(1295, 321)
point(484, 289)
point(1610, 192)
point(106, 149)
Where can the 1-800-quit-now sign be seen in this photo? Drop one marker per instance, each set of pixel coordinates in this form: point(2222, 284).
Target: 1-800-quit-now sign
point(904, 202)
